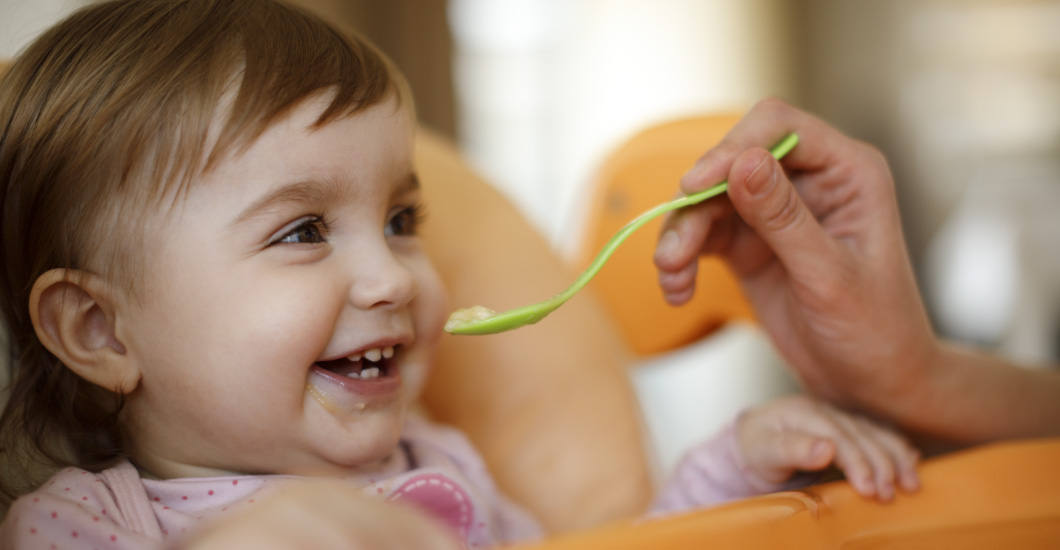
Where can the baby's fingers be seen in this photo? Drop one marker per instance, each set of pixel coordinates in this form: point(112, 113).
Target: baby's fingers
point(855, 463)
point(891, 458)
point(903, 455)
point(878, 479)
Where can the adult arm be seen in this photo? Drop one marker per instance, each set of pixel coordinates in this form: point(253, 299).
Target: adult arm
point(817, 244)
point(971, 396)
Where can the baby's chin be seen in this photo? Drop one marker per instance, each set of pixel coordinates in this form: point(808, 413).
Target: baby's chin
point(341, 444)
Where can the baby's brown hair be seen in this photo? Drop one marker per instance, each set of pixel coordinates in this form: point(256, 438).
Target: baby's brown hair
point(102, 118)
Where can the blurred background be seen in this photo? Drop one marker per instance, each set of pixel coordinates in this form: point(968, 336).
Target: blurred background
point(963, 97)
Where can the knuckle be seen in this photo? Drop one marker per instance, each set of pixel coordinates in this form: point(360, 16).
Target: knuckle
point(872, 156)
point(770, 105)
point(677, 281)
point(872, 153)
point(869, 425)
point(721, 153)
point(886, 473)
point(801, 400)
point(883, 465)
point(727, 148)
point(832, 291)
point(855, 463)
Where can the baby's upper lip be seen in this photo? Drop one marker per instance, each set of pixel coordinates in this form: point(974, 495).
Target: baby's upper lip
point(379, 343)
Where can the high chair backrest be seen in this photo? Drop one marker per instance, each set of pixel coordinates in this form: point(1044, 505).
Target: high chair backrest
point(641, 173)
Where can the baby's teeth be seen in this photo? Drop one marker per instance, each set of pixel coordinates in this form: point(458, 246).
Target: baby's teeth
point(355, 357)
point(353, 375)
point(373, 355)
point(368, 373)
point(388, 352)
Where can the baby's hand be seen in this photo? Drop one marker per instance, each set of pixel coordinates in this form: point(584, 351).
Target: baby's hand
point(323, 515)
point(799, 433)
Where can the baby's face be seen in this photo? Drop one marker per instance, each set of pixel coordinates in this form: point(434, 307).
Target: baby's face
point(289, 311)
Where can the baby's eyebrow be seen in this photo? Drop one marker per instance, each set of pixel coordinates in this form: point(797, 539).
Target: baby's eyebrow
point(410, 183)
point(312, 191)
point(299, 192)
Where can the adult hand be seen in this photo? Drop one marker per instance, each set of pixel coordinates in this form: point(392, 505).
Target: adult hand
point(817, 244)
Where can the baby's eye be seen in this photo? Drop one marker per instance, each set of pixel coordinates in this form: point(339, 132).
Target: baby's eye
point(309, 230)
point(404, 222)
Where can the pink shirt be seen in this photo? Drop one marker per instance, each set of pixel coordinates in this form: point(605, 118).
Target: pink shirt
point(434, 467)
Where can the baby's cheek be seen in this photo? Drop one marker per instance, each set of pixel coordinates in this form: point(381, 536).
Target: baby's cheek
point(432, 307)
point(277, 331)
point(430, 311)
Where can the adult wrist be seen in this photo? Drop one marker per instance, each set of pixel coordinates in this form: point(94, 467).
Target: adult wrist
point(917, 398)
point(906, 393)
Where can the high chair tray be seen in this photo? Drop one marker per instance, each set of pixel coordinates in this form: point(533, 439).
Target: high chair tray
point(1004, 495)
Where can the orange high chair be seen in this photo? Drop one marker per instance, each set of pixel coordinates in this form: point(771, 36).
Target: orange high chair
point(997, 496)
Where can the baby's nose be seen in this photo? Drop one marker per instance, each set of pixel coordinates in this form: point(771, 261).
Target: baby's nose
point(385, 281)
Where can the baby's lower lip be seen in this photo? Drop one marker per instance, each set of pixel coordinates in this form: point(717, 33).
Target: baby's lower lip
point(343, 393)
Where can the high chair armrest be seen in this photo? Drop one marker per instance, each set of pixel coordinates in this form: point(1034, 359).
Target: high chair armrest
point(1004, 495)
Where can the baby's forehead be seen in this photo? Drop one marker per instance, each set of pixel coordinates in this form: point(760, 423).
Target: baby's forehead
point(372, 145)
point(285, 137)
point(228, 139)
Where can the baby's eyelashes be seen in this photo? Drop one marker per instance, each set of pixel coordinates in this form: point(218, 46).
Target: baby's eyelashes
point(307, 230)
point(405, 222)
point(315, 229)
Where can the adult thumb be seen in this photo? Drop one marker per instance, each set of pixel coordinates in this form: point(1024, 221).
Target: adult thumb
point(768, 202)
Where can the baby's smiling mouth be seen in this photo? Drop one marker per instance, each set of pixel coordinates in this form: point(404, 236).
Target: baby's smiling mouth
point(351, 384)
point(371, 364)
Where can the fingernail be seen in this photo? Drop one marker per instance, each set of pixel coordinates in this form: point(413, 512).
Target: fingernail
point(668, 244)
point(762, 178)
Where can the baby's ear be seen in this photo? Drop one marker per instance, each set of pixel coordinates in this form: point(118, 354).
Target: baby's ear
point(74, 315)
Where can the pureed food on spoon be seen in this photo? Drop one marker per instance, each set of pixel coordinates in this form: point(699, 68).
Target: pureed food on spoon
point(471, 314)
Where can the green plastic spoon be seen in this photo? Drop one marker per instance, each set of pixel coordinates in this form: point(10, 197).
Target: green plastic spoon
point(479, 320)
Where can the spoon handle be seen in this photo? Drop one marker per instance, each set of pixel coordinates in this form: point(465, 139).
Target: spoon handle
point(778, 151)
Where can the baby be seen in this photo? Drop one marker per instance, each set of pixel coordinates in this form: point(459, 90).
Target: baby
point(216, 298)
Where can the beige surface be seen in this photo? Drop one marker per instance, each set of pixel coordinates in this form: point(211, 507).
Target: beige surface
point(550, 405)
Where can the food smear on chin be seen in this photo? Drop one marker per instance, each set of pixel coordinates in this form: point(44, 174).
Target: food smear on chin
point(327, 402)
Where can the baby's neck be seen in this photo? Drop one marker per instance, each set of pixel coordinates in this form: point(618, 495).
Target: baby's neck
point(164, 470)
point(161, 469)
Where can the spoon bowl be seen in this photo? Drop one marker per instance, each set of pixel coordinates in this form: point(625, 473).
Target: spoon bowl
point(479, 320)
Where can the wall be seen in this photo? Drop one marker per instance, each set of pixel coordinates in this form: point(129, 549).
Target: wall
point(21, 21)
